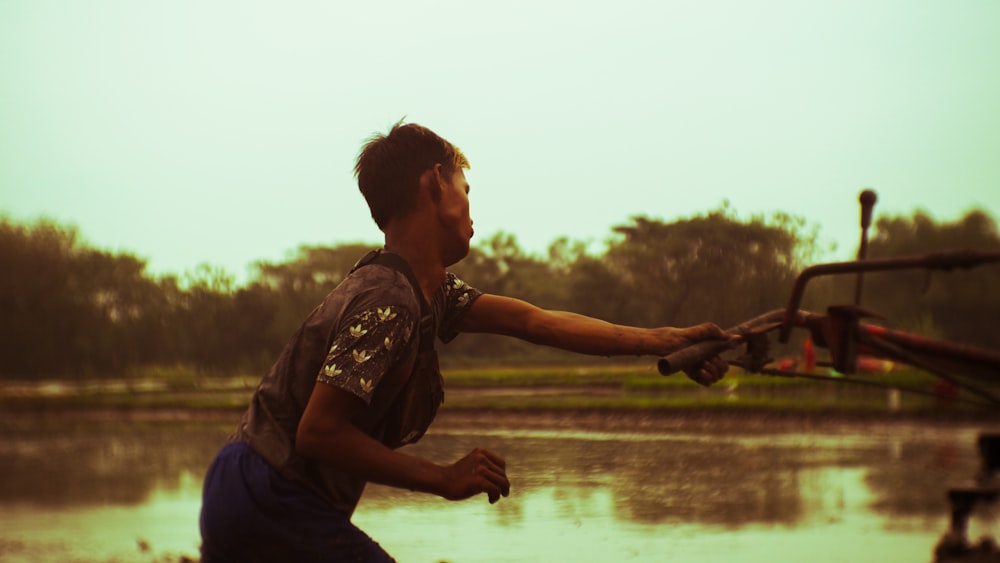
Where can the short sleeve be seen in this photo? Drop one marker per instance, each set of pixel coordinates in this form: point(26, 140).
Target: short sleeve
point(366, 349)
point(458, 299)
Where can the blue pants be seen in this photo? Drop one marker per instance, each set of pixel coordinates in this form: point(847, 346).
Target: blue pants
point(250, 512)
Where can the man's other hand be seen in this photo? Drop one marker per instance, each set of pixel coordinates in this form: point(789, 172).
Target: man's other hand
point(481, 471)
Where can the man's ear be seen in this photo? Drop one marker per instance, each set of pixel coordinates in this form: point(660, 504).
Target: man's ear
point(437, 182)
point(430, 182)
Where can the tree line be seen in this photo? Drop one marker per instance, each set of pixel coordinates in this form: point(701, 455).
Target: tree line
point(70, 310)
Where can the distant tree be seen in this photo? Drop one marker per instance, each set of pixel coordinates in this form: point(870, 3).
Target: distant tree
point(68, 309)
point(962, 305)
point(120, 306)
point(39, 316)
point(258, 331)
point(711, 267)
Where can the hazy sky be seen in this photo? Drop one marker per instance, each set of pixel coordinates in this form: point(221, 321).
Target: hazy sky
point(226, 131)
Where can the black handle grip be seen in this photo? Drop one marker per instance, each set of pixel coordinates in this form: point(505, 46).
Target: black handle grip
point(695, 354)
point(691, 356)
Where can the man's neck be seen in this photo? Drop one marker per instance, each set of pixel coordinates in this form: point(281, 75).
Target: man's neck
point(419, 253)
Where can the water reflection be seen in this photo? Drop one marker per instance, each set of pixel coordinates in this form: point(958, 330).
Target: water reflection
point(734, 480)
point(61, 463)
point(92, 490)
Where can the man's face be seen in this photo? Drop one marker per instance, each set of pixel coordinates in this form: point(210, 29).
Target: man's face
point(454, 216)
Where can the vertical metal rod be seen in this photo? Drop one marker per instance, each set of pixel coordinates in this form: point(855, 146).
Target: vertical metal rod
point(867, 200)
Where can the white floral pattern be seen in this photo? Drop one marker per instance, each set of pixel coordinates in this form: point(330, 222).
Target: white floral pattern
point(458, 298)
point(371, 342)
point(366, 350)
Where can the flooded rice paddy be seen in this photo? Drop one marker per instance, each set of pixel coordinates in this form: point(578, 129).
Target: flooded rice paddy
point(585, 488)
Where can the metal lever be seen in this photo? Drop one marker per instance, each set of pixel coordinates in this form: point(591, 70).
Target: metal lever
point(867, 200)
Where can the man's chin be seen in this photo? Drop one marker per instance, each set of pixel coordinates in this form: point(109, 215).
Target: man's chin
point(458, 256)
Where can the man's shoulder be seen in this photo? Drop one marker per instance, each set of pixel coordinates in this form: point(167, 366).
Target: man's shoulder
point(375, 285)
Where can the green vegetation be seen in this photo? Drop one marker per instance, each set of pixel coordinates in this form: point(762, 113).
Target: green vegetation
point(571, 376)
point(608, 388)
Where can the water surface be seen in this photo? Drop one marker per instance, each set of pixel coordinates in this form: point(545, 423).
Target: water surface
point(129, 491)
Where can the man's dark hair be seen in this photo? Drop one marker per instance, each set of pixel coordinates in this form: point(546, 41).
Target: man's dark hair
point(389, 168)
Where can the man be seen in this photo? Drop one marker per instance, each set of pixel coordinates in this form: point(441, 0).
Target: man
point(360, 377)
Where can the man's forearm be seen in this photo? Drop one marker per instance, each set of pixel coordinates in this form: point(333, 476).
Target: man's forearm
point(568, 331)
point(586, 335)
point(326, 434)
point(348, 449)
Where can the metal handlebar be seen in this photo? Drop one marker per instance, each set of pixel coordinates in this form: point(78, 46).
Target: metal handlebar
point(945, 260)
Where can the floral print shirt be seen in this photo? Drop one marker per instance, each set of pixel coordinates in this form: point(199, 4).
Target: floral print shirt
point(370, 345)
point(372, 341)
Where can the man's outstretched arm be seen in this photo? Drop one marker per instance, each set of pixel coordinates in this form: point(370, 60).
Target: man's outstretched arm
point(586, 335)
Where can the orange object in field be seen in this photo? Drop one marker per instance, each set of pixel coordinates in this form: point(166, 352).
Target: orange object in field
point(809, 352)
